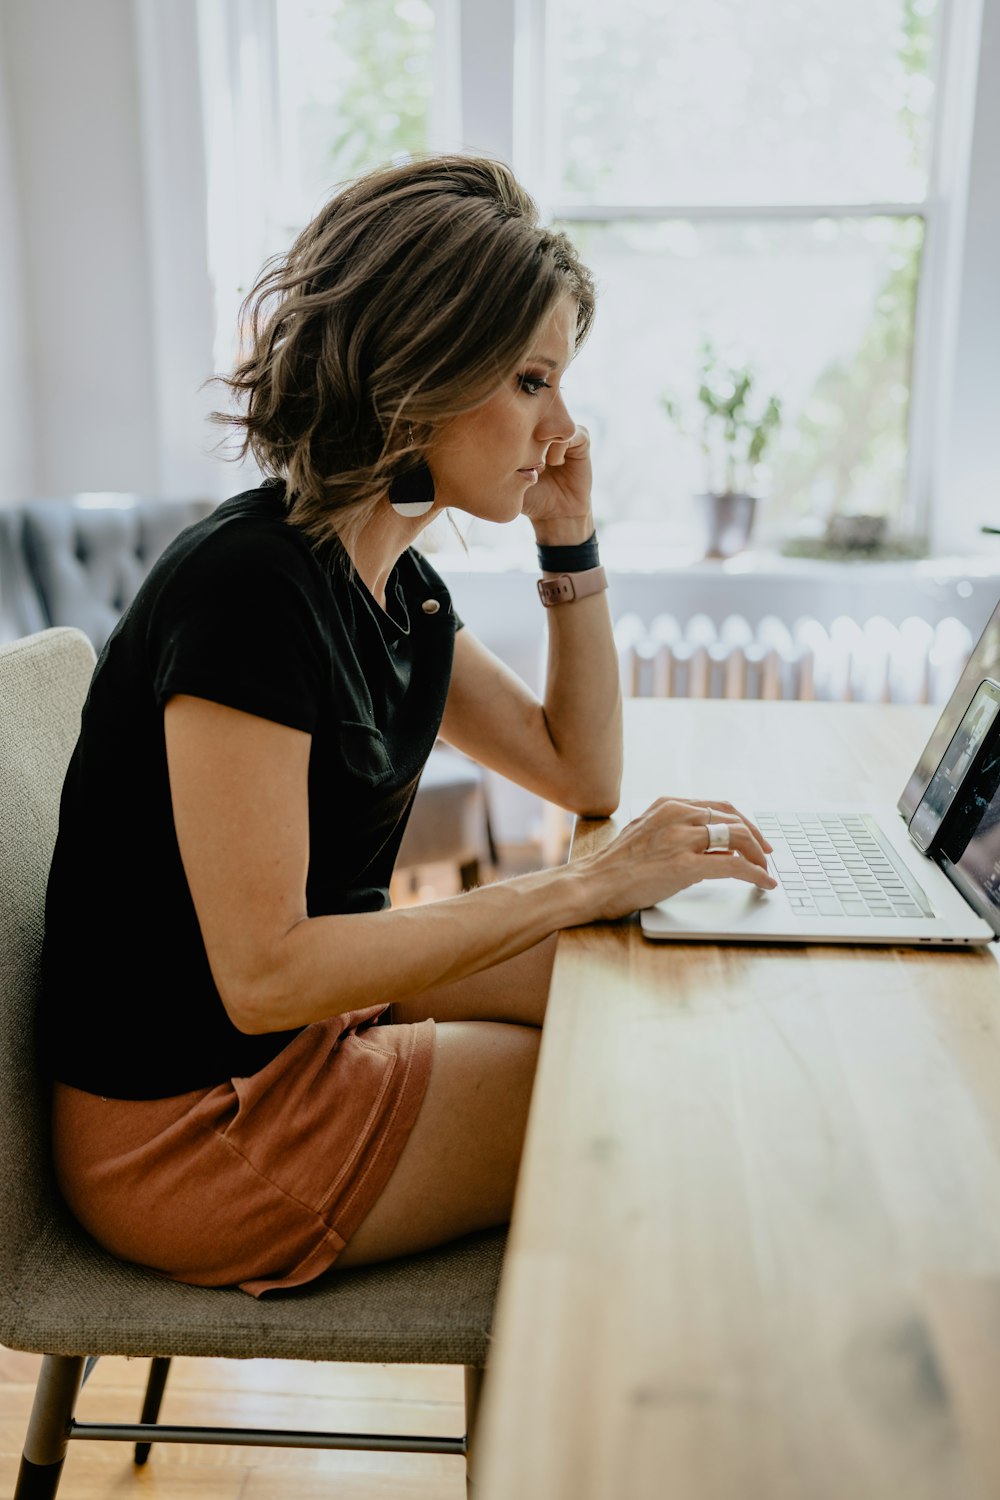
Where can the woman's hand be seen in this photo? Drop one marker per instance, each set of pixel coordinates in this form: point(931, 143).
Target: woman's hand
point(665, 850)
point(559, 505)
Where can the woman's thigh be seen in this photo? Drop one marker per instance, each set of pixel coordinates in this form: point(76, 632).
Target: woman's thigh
point(516, 990)
point(457, 1171)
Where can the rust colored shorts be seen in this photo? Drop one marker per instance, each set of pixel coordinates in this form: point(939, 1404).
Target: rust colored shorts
point(258, 1182)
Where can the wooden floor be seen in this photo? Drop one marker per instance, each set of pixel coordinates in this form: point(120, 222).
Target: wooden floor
point(254, 1393)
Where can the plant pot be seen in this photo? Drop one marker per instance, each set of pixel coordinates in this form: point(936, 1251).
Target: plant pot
point(728, 522)
point(857, 533)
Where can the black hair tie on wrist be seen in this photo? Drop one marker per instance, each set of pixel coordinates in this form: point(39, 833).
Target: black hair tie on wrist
point(578, 559)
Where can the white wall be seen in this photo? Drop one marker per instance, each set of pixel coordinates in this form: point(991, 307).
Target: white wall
point(80, 245)
point(16, 433)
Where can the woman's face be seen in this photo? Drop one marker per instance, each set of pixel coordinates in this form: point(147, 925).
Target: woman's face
point(485, 461)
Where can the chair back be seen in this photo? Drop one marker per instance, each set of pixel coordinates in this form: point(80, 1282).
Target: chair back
point(43, 683)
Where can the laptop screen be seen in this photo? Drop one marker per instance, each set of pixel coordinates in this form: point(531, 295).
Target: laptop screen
point(984, 662)
point(970, 845)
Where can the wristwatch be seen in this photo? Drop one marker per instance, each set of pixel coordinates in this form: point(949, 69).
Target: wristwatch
point(570, 586)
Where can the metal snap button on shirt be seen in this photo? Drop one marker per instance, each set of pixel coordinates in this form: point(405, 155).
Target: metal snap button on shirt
point(431, 606)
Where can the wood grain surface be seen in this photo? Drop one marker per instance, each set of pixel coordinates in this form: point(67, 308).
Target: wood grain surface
point(756, 1246)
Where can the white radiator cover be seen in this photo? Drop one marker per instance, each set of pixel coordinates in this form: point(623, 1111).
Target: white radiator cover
point(865, 662)
point(501, 606)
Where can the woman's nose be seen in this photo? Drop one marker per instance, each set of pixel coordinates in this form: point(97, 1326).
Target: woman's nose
point(556, 424)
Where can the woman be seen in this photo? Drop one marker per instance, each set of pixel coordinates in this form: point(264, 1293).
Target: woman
point(278, 1072)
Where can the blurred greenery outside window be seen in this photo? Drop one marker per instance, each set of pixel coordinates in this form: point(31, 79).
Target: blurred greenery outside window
point(355, 88)
point(754, 172)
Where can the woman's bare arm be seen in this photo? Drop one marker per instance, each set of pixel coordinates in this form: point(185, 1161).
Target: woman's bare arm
point(239, 790)
point(567, 749)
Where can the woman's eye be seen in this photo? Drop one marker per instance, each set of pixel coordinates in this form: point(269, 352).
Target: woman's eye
point(533, 384)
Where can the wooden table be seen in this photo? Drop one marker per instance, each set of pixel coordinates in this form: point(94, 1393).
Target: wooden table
point(756, 1246)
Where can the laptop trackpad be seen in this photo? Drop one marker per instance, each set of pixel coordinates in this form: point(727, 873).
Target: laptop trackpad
point(712, 906)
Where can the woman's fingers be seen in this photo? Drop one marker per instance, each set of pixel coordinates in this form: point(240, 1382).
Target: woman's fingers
point(735, 866)
point(742, 841)
point(666, 849)
point(684, 825)
point(729, 810)
point(742, 833)
point(573, 448)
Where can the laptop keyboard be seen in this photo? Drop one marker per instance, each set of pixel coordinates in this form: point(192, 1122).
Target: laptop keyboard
point(840, 866)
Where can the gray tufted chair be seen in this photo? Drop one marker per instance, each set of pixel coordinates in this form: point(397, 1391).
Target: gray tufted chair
point(80, 561)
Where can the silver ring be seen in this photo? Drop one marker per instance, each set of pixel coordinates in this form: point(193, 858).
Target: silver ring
point(718, 836)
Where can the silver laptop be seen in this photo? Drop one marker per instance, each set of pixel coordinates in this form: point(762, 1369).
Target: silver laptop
point(927, 871)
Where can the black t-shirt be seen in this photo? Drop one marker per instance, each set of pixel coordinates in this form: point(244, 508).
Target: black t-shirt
point(243, 610)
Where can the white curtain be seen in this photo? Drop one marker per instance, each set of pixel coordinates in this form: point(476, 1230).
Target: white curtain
point(184, 198)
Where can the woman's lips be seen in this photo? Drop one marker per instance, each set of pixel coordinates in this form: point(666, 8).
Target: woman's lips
point(531, 474)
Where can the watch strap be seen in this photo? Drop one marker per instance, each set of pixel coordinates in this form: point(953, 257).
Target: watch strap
point(570, 586)
point(579, 558)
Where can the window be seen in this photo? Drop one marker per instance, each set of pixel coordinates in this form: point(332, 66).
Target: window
point(763, 175)
point(752, 174)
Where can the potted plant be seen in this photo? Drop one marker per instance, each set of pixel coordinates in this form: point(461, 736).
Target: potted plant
point(735, 432)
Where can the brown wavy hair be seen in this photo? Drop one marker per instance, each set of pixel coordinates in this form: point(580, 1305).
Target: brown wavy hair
point(413, 294)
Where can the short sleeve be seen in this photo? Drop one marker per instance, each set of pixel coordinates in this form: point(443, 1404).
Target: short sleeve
point(239, 620)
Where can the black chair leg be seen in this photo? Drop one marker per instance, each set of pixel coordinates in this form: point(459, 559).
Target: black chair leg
point(159, 1369)
point(58, 1386)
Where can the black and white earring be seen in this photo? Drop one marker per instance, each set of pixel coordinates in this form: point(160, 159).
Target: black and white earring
point(412, 492)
